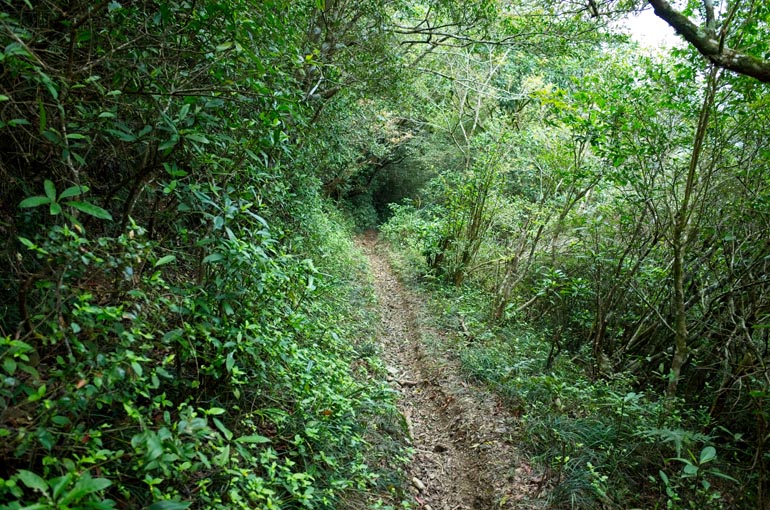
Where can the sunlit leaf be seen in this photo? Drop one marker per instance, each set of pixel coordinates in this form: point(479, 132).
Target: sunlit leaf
point(34, 201)
point(73, 191)
point(169, 505)
point(91, 209)
point(253, 439)
point(708, 454)
point(32, 480)
point(167, 259)
point(50, 190)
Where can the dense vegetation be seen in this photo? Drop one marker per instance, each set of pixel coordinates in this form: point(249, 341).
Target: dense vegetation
point(596, 228)
point(184, 322)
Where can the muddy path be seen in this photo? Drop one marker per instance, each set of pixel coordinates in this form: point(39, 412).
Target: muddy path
point(461, 434)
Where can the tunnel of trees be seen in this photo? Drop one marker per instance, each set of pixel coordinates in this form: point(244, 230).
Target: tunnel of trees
point(180, 326)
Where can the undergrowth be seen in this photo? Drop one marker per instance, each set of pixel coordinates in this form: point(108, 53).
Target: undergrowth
point(254, 388)
point(600, 443)
point(182, 318)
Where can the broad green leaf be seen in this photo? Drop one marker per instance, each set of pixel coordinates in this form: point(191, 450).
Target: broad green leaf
point(14, 49)
point(33, 481)
point(224, 455)
point(45, 438)
point(168, 144)
point(52, 136)
point(30, 245)
point(214, 257)
point(197, 137)
point(50, 190)
point(105, 504)
point(690, 469)
point(183, 112)
point(221, 426)
point(162, 372)
point(3, 97)
point(171, 187)
point(122, 135)
point(216, 411)
point(230, 361)
point(59, 483)
point(38, 394)
point(97, 484)
point(169, 505)
point(174, 171)
point(84, 486)
point(49, 85)
point(34, 201)
point(80, 159)
point(73, 191)
point(173, 335)
point(55, 209)
point(9, 365)
point(253, 439)
point(708, 454)
point(154, 446)
point(91, 209)
point(165, 260)
point(60, 420)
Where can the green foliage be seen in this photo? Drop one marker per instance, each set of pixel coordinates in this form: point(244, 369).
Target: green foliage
point(599, 442)
point(614, 162)
point(694, 481)
point(177, 319)
point(255, 395)
point(183, 335)
point(55, 203)
point(67, 491)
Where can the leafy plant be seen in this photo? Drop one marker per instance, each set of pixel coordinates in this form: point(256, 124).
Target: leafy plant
point(56, 203)
point(70, 491)
point(692, 484)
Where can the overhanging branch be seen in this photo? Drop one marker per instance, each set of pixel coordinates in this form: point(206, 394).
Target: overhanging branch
point(711, 48)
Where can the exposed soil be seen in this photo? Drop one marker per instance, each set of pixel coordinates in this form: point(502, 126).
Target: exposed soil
point(461, 434)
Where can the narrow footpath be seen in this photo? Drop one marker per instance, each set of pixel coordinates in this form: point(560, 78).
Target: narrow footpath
point(461, 434)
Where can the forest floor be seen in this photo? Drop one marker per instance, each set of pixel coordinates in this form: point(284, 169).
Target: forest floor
point(464, 457)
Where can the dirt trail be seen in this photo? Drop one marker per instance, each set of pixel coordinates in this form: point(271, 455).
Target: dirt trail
point(464, 459)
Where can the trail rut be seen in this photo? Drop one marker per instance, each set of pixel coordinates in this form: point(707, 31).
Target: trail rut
point(461, 434)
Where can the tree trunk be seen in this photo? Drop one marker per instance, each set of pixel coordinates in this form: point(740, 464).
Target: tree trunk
point(679, 240)
point(681, 348)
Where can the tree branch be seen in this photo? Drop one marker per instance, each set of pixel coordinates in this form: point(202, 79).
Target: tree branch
point(711, 48)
